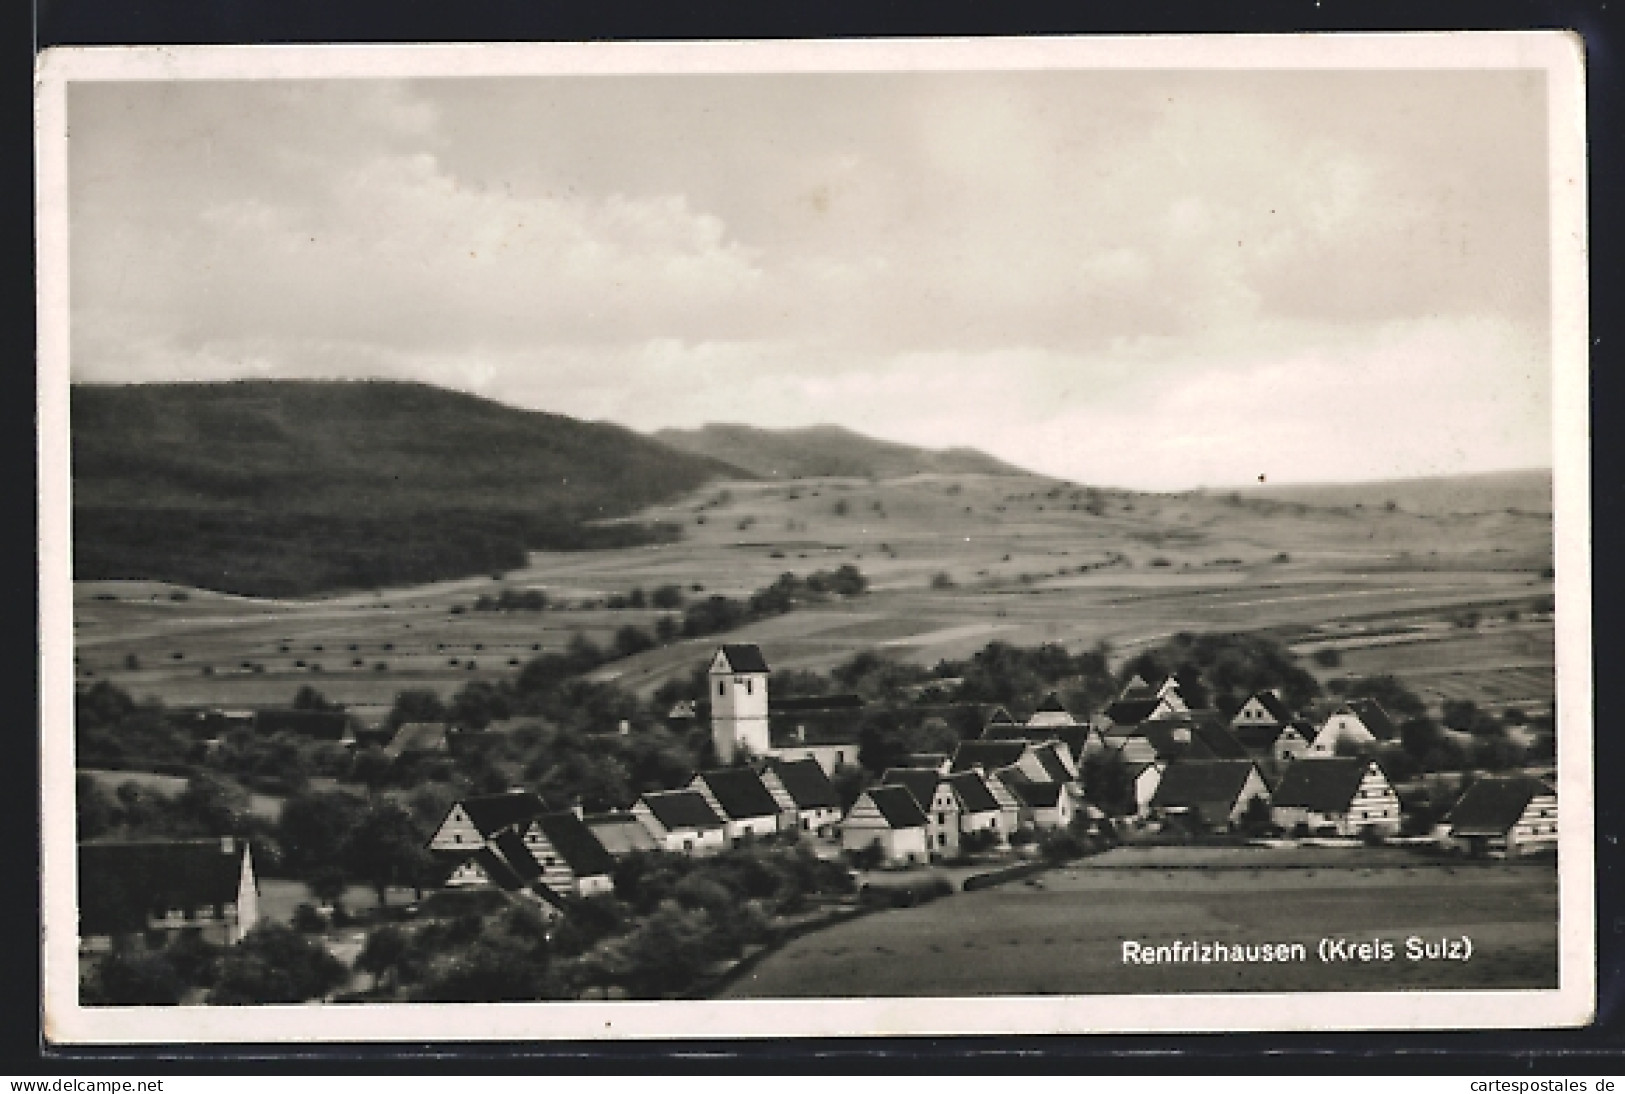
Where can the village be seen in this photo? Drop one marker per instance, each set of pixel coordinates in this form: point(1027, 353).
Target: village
point(787, 789)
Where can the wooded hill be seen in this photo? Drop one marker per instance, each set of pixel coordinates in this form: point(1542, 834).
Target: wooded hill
point(280, 488)
point(827, 450)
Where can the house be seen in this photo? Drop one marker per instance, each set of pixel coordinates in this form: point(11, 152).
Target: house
point(1515, 814)
point(1282, 741)
point(1144, 778)
point(936, 798)
point(993, 755)
point(737, 795)
point(1010, 808)
point(418, 739)
point(1056, 760)
point(804, 794)
point(1157, 687)
point(1132, 712)
point(162, 889)
point(737, 682)
point(821, 728)
point(681, 821)
point(888, 817)
point(476, 822)
point(621, 834)
point(1164, 740)
point(573, 862)
point(1357, 722)
point(1339, 795)
point(1051, 714)
point(1214, 794)
point(1293, 742)
point(505, 867)
point(1043, 806)
point(979, 809)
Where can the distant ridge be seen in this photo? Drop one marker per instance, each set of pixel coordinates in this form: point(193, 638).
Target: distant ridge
point(286, 487)
point(1527, 490)
point(826, 450)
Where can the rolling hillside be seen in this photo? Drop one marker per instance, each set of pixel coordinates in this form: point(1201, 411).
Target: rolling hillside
point(289, 487)
point(826, 451)
point(1527, 491)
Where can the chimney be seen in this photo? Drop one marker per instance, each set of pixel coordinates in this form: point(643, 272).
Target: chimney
point(228, 846)
point(580, 813)
point(1182, 736)
point(801, 735)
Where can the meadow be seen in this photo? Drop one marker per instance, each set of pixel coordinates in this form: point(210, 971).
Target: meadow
point(1063, 932)
point(954, 561)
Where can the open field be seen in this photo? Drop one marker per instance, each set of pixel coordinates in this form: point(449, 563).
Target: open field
point(1064, 932)
point(1029, 560)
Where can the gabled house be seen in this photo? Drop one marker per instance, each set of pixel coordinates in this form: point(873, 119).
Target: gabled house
point(475, 822)
point(162, 889)
point(804, 794)
point(1343, 795)
point(1357, 722)
point(1162, 740)
point(979, 810)
point(1144, 778)
point(888, 817)
point(1051, 714)
point(681, 821)
point(573, 862)
point(1127, 713)
point(1213, 794)
point(936, 798)
point(1000, 726)
point(1056, 760)
point(737, 795)
point(1263, 709)
point(1010, 808)
point(1515, 814)
point(1043, 806)
point(505, 867)
point(993, 755)
point(621, 834)
point(1158, 687)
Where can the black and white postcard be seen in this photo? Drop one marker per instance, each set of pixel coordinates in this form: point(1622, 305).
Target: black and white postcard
point(815, 538)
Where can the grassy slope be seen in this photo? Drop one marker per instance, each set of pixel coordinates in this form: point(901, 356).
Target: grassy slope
point(282, 487)
point(826, 450)
point(1528, 491)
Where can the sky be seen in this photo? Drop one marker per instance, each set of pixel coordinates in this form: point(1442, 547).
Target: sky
point(1150, 279)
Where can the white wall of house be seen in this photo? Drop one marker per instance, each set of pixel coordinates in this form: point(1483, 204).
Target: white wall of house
point(1289, 746)
point(864, 826)
point(457, 832)
point(942, 816)
point(738, 710)
point(1342, 726)
point(1145, 787)
point(680, 841)
point(831, 758)
point(1536, 829)
point(789, 819)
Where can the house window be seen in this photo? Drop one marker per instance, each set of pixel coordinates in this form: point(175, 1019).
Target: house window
point(688, 845)
point(942, 818)
point(748, 690)
point(722, 689)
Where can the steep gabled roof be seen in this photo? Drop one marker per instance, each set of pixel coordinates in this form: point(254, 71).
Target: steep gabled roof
point(1164, 736)
point(682, 809)
point(1324, 785)
point(807, 785)
point(1218, 739)
point(511, 846)
point(1129, 712)
point(921, 782)
point(1209, 785)
point(1273, 704)
point(1493, 804)
point(973, 792)
point(743, 657)
point(740, 792)
point(897, 806)
point(1050, 760)
point(987, 754)
point(1034, 795)
point(575, 843)
point(491, 813)
point(621, 833)
point(1257, 736)
point(1375, 718)
point(121, 882)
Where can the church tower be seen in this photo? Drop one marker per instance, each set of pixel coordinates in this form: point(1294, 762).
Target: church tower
point(738, 681)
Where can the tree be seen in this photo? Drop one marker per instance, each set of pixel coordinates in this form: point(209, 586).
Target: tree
point(215, 805)
point(276, 964)
point(416, 705)
point(387, 956)
point(630, 640)
point(312, 828)
point(134, 978)
point(93, 810)
point(308, 698)
point(667, 598)
point(1398, 700)
point(385, 848)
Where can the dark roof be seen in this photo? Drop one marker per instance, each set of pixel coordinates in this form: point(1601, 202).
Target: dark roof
point(121, 882)
point(1052, 763)
point(1375, 718)
point(1010, 731)
point(817, 702)
point(621, 833)
point(496, 868)
point(1257, 736)
point(1128, 712)
point(1000, 717)
point(493, 812)
point(807, 785)
point(1163, 736)
point(1493, 804)
point(987, 754)
point(1209, 785)
point(973, 792)
point(921, 782)
point(1051, 704)
point(823, 727)
point(679, 809)
point(1325, 785)
point(744, 658)
point(416, 737)
point(517, 856)
point(575, 843)
point(1272, 703)
point(1033, 795)
point(1218, 739)
point(740, 792)
point(897, 806)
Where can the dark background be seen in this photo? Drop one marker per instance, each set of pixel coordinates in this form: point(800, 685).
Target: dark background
point(1587, 1053)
